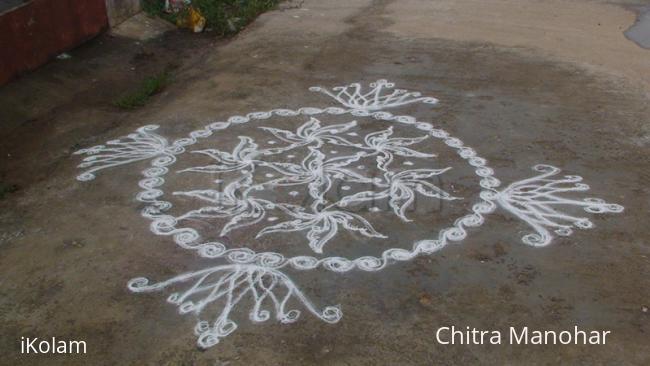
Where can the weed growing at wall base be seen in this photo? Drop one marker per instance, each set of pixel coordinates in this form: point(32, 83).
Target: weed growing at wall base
point(226, 17)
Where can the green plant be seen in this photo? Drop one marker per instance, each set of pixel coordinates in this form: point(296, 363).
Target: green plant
point(7, 188)
point(226, 17)
point(149, 86)
point(157, 8)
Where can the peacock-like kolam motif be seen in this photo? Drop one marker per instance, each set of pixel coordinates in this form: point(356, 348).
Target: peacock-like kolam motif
point(381, 95)
point(143, 144)
point(242, 275)
point(537, 201)
point(270, 291)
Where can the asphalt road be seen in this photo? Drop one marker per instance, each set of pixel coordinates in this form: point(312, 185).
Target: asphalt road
point(518, 83)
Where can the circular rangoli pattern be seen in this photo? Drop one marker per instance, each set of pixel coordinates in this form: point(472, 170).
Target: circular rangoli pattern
point(316, 157)
point(318, 173)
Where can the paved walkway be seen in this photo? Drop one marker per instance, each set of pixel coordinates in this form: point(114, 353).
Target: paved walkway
point(379, 219)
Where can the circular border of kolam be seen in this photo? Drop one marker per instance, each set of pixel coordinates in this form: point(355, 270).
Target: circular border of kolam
point(189, 238)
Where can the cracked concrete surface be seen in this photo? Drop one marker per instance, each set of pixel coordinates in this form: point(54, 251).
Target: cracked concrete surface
point(522, 82)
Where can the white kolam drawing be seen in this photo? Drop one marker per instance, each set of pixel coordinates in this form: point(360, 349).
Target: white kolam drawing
point(545, 202)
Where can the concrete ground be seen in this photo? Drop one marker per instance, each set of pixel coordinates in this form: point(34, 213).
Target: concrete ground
point(523, 82)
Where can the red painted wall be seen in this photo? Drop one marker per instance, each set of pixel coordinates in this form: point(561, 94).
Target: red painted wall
point(38, 31)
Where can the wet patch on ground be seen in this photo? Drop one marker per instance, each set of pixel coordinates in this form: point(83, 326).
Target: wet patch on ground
point(639, 32)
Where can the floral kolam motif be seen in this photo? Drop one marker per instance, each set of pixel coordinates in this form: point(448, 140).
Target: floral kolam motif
point(319, 183)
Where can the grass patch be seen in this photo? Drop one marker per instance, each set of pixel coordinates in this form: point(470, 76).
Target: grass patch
point(147, 88)
point(5, 189)
point(226, 17)
point(156, 8)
